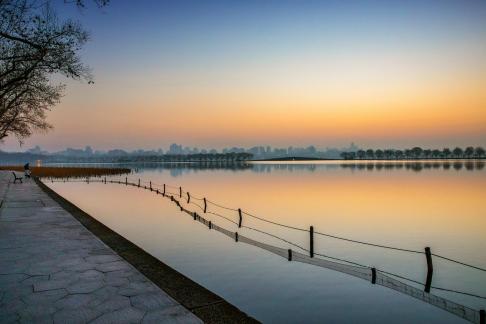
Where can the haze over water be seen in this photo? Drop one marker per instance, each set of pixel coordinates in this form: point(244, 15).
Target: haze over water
point(408, 207)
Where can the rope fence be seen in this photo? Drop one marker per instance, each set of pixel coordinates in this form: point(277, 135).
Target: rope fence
point(307, 255)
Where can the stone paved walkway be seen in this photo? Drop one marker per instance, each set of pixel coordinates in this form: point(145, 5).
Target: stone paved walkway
point(53, 270)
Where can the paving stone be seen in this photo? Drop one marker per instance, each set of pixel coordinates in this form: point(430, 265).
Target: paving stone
point(34, 279)
point(116, 281)
point(85, 286)
point(11, 278)
point(104, 258)
point(9, 318)
point(51, 285)
point(47, 296)
point(125, 315)
point(74, 301)
point(174, 314)
point(151, 301)
point(112, 266)
point(112, 304)
point(136, 288)
point(91, 275)
point(74, 316)
point(37, 314)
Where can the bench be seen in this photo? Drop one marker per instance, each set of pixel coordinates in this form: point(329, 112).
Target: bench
point(16, 178)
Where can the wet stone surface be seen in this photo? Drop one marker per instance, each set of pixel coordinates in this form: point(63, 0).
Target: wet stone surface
point(53, 270)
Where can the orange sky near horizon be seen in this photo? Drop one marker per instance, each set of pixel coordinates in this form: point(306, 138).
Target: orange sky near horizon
point(414, 80)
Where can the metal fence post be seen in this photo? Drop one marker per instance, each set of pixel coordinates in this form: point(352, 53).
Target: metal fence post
point(430, 269)
point(311, 243)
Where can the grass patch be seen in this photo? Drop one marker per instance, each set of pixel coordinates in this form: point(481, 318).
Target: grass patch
point(63, 172)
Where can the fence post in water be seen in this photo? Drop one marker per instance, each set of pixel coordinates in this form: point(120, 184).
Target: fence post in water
point(482, 316)
point(188, 197)
point(150, 185)
point(373, 275)
point(126, 181)
point(236, 236)
point(210, 225)
point(105, 180)
point(241, 218)
point(311, 247)
point(290, 255)
point(139, 182)
point(205, 205)
point(430, 269)
point(163, 194)
point(180, 192)
point(194, 215)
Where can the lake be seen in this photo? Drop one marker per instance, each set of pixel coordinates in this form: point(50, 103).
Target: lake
point(411, 205)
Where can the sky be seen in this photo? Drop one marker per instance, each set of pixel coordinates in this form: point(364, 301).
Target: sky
point(216, 74)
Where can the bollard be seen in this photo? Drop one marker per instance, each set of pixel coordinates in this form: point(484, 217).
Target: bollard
point(180, 192)
point(163, 194)
point(290, 255)
point(311, 241)
point(139, 183)
point(373, 275)
point(236, 236)
point(188, 197)
point(241, 218)
point(210, 225)
point(482, 316)
point(205, 205)
point(430, 269)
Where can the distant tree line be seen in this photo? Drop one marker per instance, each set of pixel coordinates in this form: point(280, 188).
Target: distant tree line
point(200, 157)
point(416, 153)
point(214, 158)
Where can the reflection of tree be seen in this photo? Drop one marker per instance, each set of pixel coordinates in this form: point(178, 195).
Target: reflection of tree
point(415, 166)
point(416, 153)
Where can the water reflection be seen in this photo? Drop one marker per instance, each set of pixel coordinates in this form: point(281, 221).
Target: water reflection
point(179, 168)
point(416, 166)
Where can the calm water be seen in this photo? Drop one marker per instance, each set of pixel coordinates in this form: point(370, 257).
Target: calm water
point(405, 205)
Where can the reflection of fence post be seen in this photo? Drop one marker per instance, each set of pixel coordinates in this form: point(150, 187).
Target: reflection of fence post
point(205, 205)
point(373, 275)
point(290, 255)
point(430, 269)
point(482, 316)
point(188, 197)
point(180, 192)
point(241, 218)
point(311, 248)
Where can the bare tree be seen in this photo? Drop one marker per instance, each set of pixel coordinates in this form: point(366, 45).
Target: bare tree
point(34, 46)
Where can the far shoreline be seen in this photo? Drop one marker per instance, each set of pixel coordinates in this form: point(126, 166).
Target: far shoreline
point(297, 159)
